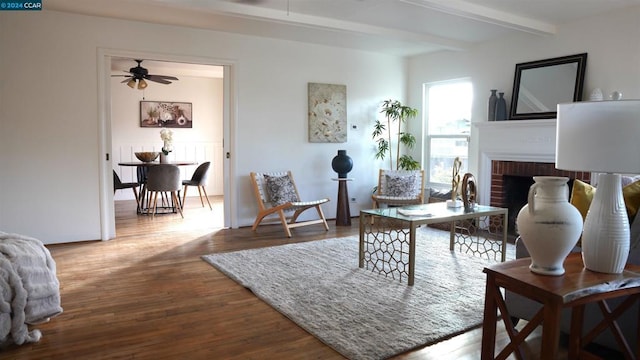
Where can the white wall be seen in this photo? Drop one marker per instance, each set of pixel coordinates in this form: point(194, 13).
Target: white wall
point(202, 142)
point(613, 63)
point(49, 154)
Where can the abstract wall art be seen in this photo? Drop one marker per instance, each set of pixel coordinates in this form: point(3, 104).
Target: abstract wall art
point(327, 113)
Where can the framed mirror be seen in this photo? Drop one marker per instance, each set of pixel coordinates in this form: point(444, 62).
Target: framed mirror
point(539, 86)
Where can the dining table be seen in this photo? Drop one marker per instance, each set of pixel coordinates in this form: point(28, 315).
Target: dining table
point(143, 205)
point(153, 163)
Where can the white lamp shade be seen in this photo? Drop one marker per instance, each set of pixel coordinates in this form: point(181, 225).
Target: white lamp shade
point(599, 136)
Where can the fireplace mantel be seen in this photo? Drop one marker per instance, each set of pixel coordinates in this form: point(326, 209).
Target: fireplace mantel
point(536, 137)
point(514, 140)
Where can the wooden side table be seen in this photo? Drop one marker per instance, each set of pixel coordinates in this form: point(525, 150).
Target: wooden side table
point(343, 214)
point(576, 288)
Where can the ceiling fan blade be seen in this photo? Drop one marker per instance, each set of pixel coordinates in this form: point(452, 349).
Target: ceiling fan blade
point(158, 80)
point(126, 73)
point(125, 80)
point(163, 77)
point(138, 73)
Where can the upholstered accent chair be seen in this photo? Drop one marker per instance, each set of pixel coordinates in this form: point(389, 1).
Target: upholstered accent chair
point(164, 178)
point(399, 187)
point(119, 185)
point(278, 201)
point(198, 179)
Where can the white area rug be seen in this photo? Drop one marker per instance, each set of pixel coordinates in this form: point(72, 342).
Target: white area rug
point(360, 314)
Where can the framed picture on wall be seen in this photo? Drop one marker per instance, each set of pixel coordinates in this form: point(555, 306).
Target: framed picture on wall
point(165, 114)
point(327, 113)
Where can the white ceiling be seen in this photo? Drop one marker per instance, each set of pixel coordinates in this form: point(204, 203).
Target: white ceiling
point(397, 27)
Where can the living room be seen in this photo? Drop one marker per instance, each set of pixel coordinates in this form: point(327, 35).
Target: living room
point(57, 123)
point(53, 140)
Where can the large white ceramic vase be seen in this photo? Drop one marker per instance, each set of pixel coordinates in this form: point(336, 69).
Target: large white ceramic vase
point(549, 225)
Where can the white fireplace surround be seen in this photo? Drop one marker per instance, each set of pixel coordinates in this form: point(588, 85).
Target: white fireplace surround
point(512, 140)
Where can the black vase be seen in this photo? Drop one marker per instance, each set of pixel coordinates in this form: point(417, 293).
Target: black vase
point(493, 99)
point(342, 163)
point(501, 107)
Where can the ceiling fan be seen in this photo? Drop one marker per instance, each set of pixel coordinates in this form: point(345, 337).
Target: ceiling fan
point(139, 74)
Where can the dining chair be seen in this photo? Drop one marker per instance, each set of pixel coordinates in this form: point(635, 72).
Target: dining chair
point(198, 179)
point(141, 172)
point(164, 178)
point(119, 185)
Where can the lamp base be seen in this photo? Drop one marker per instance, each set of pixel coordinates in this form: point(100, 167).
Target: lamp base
point(605, 239)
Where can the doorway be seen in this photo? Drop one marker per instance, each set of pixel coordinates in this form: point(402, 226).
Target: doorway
point(109, 130)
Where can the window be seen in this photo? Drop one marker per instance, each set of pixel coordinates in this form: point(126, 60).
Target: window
point(448, 125)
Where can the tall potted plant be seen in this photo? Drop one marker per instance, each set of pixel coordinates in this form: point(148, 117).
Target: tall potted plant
point(396, 115)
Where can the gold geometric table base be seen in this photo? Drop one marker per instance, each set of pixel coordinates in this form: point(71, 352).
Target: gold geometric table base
point(387, 236)
point(481, 237)
point(386, 248)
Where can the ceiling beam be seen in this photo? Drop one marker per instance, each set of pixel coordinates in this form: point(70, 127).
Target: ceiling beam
point(284, 16)
point(487, 15)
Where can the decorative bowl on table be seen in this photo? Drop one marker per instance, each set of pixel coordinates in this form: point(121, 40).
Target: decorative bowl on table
point(147, 156)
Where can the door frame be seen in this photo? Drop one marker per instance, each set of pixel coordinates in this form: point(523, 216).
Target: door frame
point(107, 210)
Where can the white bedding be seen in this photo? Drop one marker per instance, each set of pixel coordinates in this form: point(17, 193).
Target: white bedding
point(29, 288)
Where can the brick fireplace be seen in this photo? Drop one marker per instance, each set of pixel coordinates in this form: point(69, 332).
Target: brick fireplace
point(512, 152)
point(500, 169)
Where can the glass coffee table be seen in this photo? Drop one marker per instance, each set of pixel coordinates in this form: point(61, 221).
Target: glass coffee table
point(388, 236)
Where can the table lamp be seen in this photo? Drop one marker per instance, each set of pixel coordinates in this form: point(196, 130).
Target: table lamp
point(602, 137)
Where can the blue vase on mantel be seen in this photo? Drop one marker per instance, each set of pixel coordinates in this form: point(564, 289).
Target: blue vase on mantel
point(501, 107)
point(493, 100)
point(342, 164)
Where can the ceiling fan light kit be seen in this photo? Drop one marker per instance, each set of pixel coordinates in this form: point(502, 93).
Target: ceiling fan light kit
point(138, 74)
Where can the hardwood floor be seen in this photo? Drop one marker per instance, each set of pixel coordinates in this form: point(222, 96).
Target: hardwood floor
point(148, 295)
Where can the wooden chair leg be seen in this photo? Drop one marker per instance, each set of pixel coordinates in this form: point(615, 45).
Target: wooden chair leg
point(321, 215)
point(150, 201)
point(206, 197)
point(375, 206)
point(176, 200)
point(200, 194)
point(155, 203)
point(294, 217)
point(144, 197)
point(283, 219)
point(184, 195)
point(257, 221)
point(135, 194)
